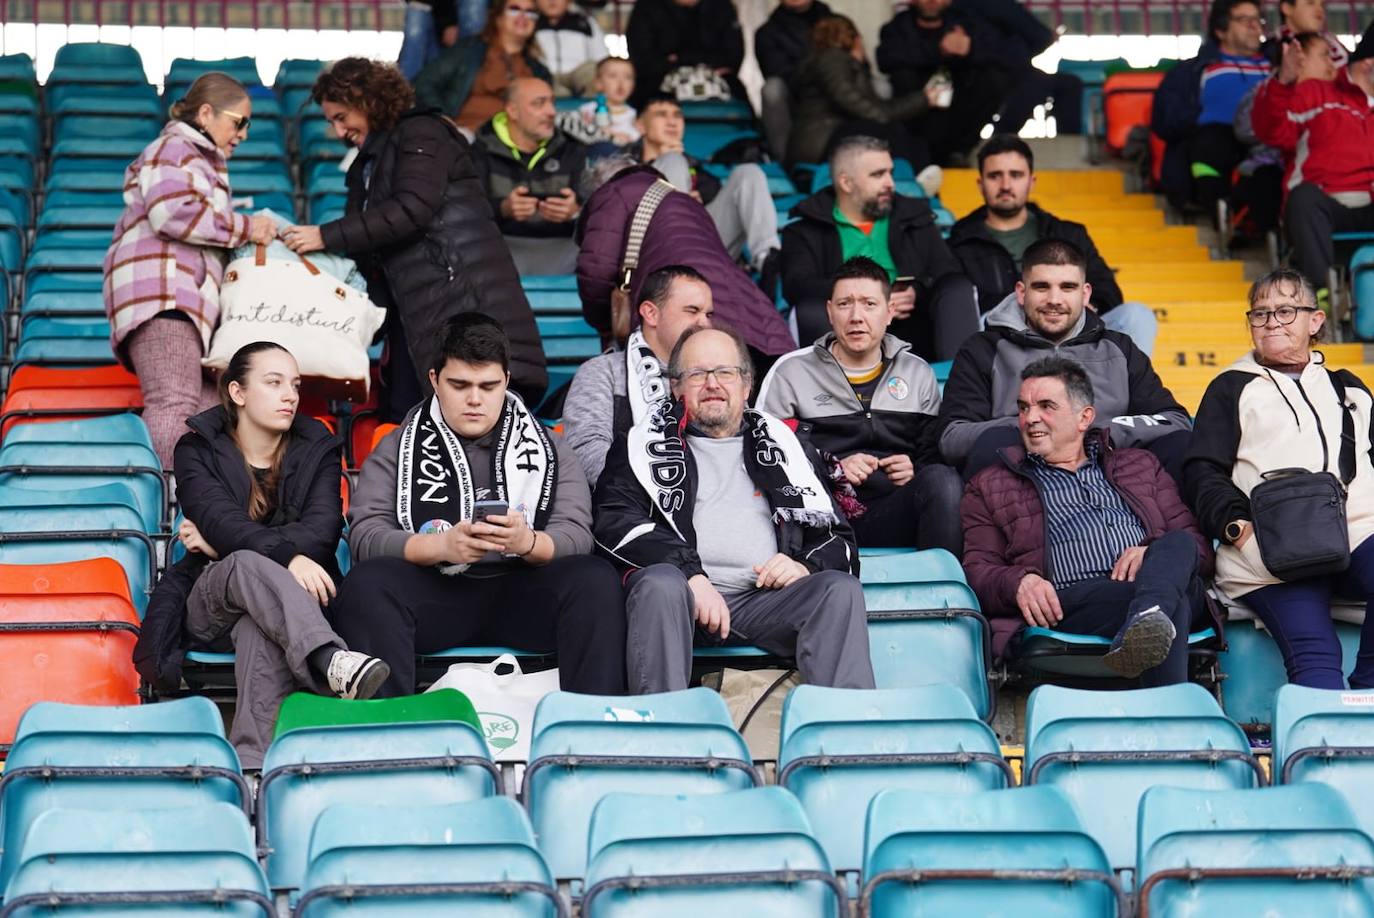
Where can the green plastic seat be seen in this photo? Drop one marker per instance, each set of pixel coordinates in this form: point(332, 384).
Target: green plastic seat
point(303, 709)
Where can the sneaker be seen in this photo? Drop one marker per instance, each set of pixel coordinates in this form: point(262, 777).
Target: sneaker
point(931, 179)
point(356, 676)
point(1142, 643)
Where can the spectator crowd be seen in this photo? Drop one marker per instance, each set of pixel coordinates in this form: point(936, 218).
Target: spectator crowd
point(722, 462)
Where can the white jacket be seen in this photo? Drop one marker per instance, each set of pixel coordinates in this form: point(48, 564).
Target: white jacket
point(576, 39)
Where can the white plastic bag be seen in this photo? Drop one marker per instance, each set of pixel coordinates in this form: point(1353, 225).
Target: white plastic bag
point(505, 701)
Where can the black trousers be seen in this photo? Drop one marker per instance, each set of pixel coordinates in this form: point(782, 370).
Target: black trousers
point(1216, 146)
point(1310, 217)
point(1030, 87)
point(978, 94)
point(400, 382)
point(943, 318)
point(390, 608)
point(1168, 449)
point(1167, 578)
point(923, 513)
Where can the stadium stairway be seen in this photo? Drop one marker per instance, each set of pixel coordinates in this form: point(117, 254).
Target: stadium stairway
point(1199, 301)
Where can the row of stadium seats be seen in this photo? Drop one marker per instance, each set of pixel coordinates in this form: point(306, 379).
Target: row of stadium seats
point(1120, 788)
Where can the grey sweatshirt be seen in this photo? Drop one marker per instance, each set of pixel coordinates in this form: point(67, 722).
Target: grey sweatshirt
point(374, 532)
point(589, 410)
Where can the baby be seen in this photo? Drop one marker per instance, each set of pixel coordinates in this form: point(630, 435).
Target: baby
point(615, 80)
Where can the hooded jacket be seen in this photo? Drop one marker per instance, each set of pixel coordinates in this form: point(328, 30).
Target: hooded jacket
point(810, 385)
point(501, 166)
point(983, 384)
point(1254, 420)
point(419, 224)
point(1006, 536)
point(1325, 130)
point(213, 487)
point(681, 232)
point(634, 533)
point(446, 82)
point(993, 271)
point(571, 42)
point(784, 40)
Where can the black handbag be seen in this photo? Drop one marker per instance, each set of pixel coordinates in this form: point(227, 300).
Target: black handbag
point(1299, 516)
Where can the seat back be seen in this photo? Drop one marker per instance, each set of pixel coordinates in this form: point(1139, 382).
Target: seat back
point(1253, 669)
point(475, 844)
point(1025, 829)
point(925, 625)
point(1362, 289)
point(758, 835)
point(1105, 749)
point(1127, 102)
point(1324, 736)
point(842, 747)
point(376, 764)
point(1304, 837)
point(584, 746)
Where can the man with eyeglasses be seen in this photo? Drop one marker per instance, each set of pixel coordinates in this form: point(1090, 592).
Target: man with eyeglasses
point(871, 402)
point(729, 536)
point(1195, 107)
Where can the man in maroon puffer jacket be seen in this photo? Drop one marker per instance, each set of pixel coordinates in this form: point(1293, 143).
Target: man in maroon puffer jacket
point(1070, 533)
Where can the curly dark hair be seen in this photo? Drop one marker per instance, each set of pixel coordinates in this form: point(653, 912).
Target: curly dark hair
point(378, 90)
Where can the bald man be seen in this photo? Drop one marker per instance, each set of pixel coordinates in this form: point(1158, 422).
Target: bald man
point(530, 170)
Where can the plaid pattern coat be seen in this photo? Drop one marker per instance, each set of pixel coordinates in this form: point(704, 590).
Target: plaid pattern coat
point(169, 244)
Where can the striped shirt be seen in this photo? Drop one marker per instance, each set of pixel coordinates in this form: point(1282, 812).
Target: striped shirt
point(1088, 522)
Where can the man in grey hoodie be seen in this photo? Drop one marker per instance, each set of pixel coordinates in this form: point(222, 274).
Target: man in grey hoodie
point(471, 525)
point(1045, 317)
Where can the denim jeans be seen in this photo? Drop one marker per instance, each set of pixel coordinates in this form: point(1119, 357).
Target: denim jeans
point(419, 44)
point(1136, 320)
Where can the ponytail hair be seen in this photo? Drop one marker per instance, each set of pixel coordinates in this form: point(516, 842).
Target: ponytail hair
point(216, 89)
point(259, 492)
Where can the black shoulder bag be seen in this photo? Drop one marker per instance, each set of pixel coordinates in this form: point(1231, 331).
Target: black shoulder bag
point(1299, 516)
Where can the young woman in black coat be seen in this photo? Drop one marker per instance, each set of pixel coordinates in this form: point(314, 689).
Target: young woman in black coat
point(420, 225)
point(259, 490)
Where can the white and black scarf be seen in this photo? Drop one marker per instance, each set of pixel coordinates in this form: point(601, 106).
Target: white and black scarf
point(645, 382)
point(773, 457)
point(434, 488)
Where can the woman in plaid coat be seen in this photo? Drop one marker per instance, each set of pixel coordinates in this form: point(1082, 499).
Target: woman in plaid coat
point(163, 270)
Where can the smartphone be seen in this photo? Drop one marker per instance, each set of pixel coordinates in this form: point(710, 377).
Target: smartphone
point(903, 283)
point(485, 508)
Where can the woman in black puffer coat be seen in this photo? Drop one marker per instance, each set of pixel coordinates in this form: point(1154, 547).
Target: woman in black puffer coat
point(420, 226)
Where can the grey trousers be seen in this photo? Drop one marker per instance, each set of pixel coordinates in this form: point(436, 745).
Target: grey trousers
point(777, 115)
point(275, 626)
point(743, 211)
point(820, 620)
point(543, 254)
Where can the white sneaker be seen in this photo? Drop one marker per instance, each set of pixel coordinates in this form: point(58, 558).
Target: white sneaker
point(931, 179)
point(354, 675)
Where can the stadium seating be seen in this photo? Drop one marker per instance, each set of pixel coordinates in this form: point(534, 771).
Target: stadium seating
point(1324, 736)
point(842, 747)
point(1274, 851)
point(749, 852)
point(999, 852)
point(45, 394)
point(1050, 653)
point(583, 747)
point(477, 859)
point(1253, 670)
point(1362, 285)
point(1127, 99)
point(1103, 750)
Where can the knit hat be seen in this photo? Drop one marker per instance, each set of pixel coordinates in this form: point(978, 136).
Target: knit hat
point(1366, 46)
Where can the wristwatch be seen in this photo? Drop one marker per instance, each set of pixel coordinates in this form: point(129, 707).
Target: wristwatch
point(1233, 531)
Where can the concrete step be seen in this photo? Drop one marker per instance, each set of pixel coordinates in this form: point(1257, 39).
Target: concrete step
point(1188, 383)
point(1180, 271)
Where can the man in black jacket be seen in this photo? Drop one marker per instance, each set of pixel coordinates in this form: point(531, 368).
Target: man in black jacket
point(530, 169)
point(929, 37)
point(990, 241)
point(861, 214)
point(728, 532)
point(780, 45)
point(1047, 314)
point(1022, 37)
point(665, 35)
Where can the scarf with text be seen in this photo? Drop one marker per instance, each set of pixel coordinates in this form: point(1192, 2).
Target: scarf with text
point(645, 382)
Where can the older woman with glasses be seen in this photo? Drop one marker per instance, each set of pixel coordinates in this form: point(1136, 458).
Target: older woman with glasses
point(469, 81)
point(163, 270)
point(1280, 408)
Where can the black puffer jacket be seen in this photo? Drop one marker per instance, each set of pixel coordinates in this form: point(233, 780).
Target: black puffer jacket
point(663, 35)
point(213, 487)
point(831, 88)
point(783, 42)
point(421, 226)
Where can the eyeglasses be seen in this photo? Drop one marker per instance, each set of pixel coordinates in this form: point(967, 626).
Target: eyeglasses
point(1284, 314)
point(241, 122)
point(864, 304)
point(724, 375)
point(1249, 20)
point(516, 12)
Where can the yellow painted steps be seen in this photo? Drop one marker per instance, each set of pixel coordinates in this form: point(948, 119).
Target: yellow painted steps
point(1188, 383)
point(1145, 272)
point(1050, 181)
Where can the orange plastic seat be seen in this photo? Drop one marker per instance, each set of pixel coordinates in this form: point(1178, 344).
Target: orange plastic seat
point(380, 433)
point(85, 657)
point(1127, 101)
point(55, 394)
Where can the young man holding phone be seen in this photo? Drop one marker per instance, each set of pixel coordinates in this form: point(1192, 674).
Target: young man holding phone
point(472, 525)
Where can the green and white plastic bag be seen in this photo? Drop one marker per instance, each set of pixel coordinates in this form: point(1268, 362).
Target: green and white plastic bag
point(504, 700)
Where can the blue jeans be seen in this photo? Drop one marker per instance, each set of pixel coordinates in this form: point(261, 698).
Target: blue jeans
point(1298, 615)
point(419, 44)
point(1136, 320)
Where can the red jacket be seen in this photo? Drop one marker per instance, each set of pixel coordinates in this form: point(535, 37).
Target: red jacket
point(1005, 530)
point(1325, 130)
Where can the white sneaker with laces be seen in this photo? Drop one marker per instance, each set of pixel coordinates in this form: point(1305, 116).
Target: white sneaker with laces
point(354, 675)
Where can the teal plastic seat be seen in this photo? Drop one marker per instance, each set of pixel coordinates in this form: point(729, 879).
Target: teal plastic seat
point(476, 859)
point(1326, 736)
point(704, 140)
point(52, 258)
point(749, 852)
point(925, 626)
point(185, 70)
point(63, 466)
point(724, 110)
point(549, 282)
point(111, 861)
point(309, 769)
point(128, 100)
point(97, 54)
point(1253, 670)
point(1362, 287)
point(933, 854)
point(554, 302)
point(1104, 750)
point(259, 177)
point(296, 72)
point(1288, 851)
point(45, 527)
point(1048, 652)
point(68, 756)
point(842, 747)
point(57, 218)
point(585, 746)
